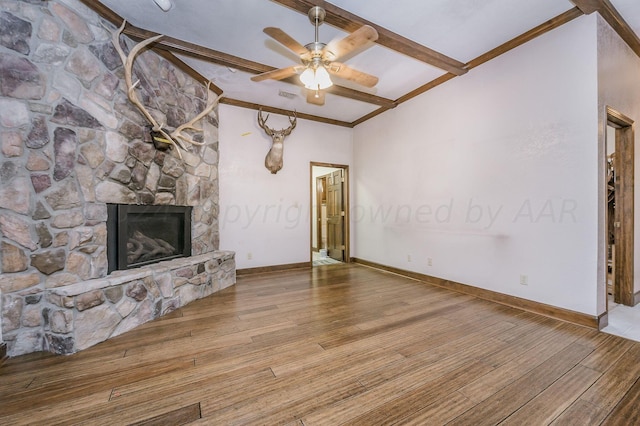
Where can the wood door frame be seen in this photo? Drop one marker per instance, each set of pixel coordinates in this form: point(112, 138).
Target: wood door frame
point(318, 213)
point(624, 217)
point(336, 211)
point(345, 195)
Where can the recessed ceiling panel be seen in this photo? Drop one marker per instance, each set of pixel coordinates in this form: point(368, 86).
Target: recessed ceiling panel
point(460, 29)
point(233, 27)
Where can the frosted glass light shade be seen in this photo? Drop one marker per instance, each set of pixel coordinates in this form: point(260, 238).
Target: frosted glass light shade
point(316, 79)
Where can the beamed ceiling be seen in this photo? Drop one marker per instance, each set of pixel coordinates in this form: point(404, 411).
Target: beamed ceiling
point(421, 43)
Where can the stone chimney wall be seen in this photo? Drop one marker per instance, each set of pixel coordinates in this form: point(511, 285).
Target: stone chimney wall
point(71, 142)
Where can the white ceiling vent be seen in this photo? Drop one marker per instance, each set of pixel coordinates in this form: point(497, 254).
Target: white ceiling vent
point(286, 94)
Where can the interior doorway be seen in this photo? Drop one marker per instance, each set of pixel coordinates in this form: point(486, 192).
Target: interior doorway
point(329, 213)
point(610, 215)
point(620, 209)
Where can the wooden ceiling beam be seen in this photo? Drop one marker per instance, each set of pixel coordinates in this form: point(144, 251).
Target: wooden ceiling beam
point(430, 85)
point(196, 51)
point(103, 11)
point(265, 108)
point(617, 22)
point(369, 116)
point(349, 22)
point(360, 96)
point(587, 6)
point(613, 18)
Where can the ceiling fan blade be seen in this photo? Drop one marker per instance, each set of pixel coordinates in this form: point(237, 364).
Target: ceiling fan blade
point(278, 74)
point(338, 48)
point(315, 97)
point(286, 40)
point(343, 71)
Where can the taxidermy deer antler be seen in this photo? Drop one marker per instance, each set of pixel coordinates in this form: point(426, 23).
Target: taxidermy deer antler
point(273, 160)
point(178, 137)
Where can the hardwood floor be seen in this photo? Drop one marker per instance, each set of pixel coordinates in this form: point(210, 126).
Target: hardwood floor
point(338, 344)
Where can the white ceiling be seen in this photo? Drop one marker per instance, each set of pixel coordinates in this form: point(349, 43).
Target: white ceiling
point(460, 29)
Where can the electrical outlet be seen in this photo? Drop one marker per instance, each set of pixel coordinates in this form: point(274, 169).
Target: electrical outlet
point(429, 261)
point(249, 256)
point(524, 280)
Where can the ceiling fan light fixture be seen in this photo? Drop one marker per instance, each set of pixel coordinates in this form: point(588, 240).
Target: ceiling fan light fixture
point(319, 59)
point(316, 78)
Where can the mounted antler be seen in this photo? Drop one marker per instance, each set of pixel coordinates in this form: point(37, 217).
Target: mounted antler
point(176, 137)
point(273, 160)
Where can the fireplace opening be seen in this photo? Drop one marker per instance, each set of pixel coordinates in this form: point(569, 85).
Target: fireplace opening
point(140, 235)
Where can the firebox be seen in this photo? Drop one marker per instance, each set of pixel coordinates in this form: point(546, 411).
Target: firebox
point(139, 235)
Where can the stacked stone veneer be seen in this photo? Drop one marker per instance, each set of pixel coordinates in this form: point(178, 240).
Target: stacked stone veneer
point(71, 142)
point(90, 312)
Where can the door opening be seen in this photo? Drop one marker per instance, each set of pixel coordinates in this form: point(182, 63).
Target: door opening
point(620, 209)
point(610, 213)
point(329, 213)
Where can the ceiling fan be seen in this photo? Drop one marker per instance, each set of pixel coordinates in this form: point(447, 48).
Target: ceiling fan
point(319, 60)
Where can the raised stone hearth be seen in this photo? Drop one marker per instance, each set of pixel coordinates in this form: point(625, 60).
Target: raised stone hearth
point(90, 312)
point(71, 142)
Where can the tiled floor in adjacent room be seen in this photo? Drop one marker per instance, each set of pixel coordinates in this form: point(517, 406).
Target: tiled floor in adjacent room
point(624, 321)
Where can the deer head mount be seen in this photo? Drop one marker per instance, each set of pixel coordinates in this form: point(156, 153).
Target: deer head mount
point(178, 137)
point(273, 160)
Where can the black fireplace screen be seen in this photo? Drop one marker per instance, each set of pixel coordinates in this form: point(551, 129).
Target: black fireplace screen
point(140, 235)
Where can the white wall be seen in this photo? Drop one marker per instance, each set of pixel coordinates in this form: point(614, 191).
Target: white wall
point(264, 216)
point(492, 175)
point(619, 88)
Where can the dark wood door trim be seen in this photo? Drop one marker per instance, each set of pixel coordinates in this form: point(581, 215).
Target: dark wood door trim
point(624, 140)
point(335, 214)
point(346, 204)
point(320, 181)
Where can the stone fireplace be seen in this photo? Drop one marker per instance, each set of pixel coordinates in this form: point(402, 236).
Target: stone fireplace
point(72, 144)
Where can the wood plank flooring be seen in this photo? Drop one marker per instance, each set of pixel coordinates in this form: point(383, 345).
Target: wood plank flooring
point(336, 345)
